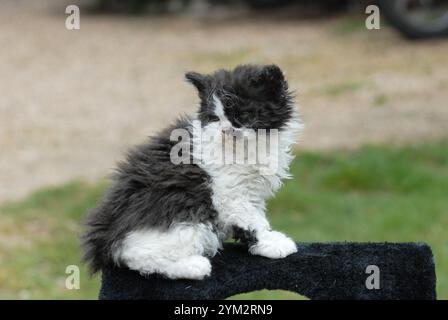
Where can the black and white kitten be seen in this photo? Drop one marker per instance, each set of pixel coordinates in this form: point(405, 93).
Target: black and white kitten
point(163, 217)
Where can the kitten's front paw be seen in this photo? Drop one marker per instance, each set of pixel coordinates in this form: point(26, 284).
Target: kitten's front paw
point(273, 245)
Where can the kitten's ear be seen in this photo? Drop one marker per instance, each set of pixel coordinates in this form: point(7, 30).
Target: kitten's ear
point(200, 81)
point(273, 77)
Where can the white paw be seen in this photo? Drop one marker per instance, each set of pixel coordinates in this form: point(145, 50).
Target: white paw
point(273, 245)
point(194, 268)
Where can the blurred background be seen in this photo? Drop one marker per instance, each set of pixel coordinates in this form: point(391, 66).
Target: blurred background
point(372, 164)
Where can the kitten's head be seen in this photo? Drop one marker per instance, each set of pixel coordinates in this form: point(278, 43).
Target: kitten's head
point(250, 96)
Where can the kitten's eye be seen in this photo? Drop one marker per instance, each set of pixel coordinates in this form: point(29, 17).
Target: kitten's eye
point(213, 118)
point(227, 103)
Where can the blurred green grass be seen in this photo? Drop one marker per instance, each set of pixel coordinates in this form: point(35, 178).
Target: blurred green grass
point(374, 193)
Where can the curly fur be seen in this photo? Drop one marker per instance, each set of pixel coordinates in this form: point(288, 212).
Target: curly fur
point(161, 217)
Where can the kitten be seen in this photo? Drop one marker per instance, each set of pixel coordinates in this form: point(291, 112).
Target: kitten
point(161, 216)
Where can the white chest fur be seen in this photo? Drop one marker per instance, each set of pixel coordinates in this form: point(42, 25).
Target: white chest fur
point(239, 191)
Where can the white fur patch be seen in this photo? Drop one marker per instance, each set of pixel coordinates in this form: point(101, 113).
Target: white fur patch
point(219, 108)
point(240, 191)
point(225, 124)
point(176, 253)
point(274, 245)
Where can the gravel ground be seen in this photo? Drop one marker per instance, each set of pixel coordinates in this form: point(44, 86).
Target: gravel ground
point(72, 101)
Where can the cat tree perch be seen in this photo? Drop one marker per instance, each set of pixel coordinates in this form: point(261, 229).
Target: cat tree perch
point(317, 271)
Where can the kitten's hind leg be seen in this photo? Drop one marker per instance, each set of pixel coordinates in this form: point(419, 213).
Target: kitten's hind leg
point(250, 225)
point(192, 267)
point(177, 253)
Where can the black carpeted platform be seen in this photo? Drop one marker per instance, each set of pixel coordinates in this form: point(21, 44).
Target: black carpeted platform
point(317, 271)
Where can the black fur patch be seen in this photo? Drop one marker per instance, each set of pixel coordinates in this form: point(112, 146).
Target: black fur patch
point(253, 96)
point(147, 191)
point(245, 236)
